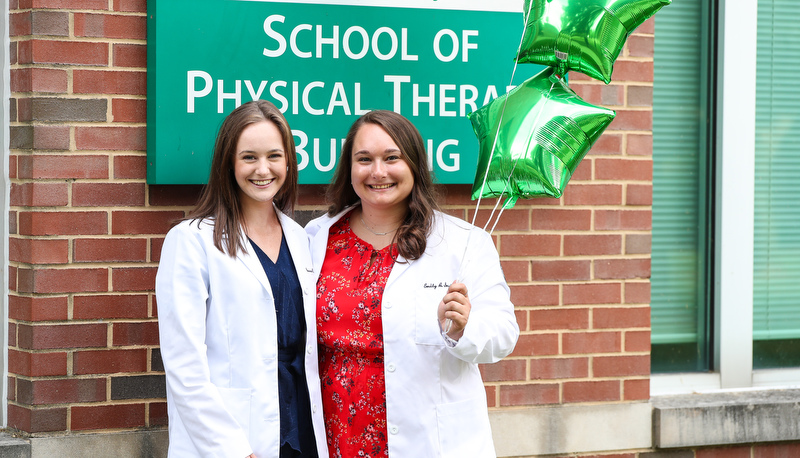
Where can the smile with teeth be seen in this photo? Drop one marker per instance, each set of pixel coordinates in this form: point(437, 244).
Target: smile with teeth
point(262, 182)
point(381, 186)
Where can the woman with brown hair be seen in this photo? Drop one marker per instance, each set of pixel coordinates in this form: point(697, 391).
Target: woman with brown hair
point(400, 333)
point(235, 304)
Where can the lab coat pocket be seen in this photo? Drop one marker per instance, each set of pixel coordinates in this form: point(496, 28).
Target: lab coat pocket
point(464, 429)
point(426, 325)
point(237, 403)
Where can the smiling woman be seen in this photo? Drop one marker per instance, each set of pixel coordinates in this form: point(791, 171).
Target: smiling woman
point(393, 382)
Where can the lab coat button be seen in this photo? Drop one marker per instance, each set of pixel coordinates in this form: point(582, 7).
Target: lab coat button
point(309, 349)
point(387, 305)
point(390, 367)
point(394, 430)
point(313, 408)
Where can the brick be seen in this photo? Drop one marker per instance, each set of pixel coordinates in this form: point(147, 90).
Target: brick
point(12, 334)
point(53, 336)
point(108, 306)
point(138, 387)
point(640, 145)
point(505, 371)
point(583, 245)
point(155, 249)
point(559, 368)
point(600, 94)
point(20, 80)
point(129, 110)
point(37, 420)
point(531, 394)
point(130, 167)
point(19, 24)
point(623, 169)
point(49, 281)
point(592, 391)
point(530, 245)
point(38, 251)
point(528, 295)
point(38, 308)
point(129, 55)
point(724, 452)
point(11, 387)
point(52, 109)
point(536, 345)
point(521, 316)
point(594, 194)
point(39, 194)
point(647, 27)
point(491, 396)
point(49, 166)
point(639, 194)
point(108, 194)
point(640, 96)
point(610, 269)
point(68, 52)
point(621, 317)
point(109, 361)
point(131, 6)
point(61, 391)
point(641, 120)
point(110, 138)
point(640, 45)
point(175, 195)
point(516, 271)
point(158, 414)
point(557, 219)
point(630, 71)
point(510, 220)
point(560, 270)
point(127, 334)
point(637, 293)
point(582, 173)
point(637, 341)
point(71, 4)
point(787, 450)
point(107, 416)
point(21, 138)
point(591, 342)
point(143, 222)
point(109, 250)
point(637, 244)
point(559, 319)
point(54, 23)
point(110, 26)
point(51, 137)
point(621, 366)
point(134, 278)
point(593, 293)
point(636, 390)
point(12, 167)
point(63, 223)
point(607, 144)
point(615, 220)
point(156, 363)
point(109, 82)
point(12, 278)
point(37, 364)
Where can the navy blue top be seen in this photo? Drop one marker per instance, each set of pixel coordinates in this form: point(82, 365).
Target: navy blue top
point(297, 431)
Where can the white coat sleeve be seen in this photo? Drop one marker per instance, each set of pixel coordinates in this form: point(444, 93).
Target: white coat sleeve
point(492, 331)
point(182, 290)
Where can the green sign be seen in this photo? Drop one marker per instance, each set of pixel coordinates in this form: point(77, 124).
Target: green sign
point(324, 64)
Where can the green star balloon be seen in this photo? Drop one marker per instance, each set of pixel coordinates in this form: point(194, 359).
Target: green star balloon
point(535, 136)
point(581, 35)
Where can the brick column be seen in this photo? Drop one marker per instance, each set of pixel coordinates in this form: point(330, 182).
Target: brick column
point(84, 229)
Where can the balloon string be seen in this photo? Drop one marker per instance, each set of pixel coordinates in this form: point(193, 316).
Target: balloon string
point(500, 121)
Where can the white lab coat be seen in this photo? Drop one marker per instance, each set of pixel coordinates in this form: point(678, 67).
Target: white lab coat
point(218, 334)
point(435, 398)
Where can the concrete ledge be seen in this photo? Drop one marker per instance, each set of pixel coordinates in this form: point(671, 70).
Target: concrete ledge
point(14, 447)
point(726, 418)
point(132, 444)
point(571, 429)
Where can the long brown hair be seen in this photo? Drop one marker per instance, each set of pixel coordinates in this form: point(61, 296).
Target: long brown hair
point(411, 236)
point(220, 197)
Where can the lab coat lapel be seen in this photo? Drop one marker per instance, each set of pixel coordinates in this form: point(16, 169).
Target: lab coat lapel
point(250, 259)
point(298, 247)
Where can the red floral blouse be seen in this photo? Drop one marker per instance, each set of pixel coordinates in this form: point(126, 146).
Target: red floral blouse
point(350, 331)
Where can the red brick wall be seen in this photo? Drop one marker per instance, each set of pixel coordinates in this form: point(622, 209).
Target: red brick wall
point(86, 231)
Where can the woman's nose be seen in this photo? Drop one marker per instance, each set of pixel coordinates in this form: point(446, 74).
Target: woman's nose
point(378, 169)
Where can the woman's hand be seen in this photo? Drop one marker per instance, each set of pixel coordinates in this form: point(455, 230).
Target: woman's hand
point(455, 306)
point(252, 455)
